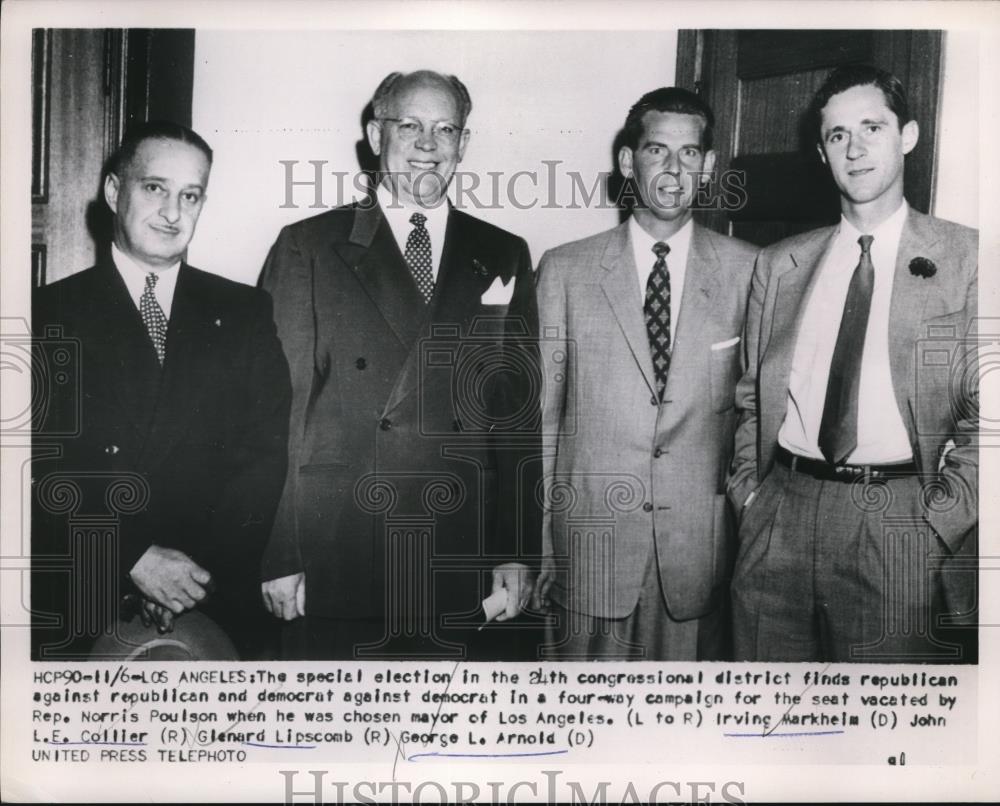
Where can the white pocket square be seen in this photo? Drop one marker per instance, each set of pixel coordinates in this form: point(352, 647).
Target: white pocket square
point(722, 345)
point(499, 293)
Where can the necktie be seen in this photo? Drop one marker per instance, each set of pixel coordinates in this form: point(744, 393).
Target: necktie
point(657, 311)
point(838, 430)
point(153, 318)
point(418, 256)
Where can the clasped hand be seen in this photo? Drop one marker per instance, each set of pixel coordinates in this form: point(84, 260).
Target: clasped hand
point(171, 583)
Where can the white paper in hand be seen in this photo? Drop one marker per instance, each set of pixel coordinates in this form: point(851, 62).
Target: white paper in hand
point(494, 605)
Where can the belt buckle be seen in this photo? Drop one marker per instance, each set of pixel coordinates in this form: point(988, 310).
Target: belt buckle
point(852, 471)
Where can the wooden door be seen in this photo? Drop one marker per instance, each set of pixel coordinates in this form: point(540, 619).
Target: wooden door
point(759, 84)
point(88, 85)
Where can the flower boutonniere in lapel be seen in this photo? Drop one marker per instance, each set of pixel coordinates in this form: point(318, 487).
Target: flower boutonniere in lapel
point(480, 269)
point(922, 267)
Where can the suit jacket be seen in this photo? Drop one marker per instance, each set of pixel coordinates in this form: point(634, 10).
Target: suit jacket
point(412, 425)
point(191, 456)
point(622, 472)
point(932, 353)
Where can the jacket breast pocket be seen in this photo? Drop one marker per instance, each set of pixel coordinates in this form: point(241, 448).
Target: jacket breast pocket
point(724, 373)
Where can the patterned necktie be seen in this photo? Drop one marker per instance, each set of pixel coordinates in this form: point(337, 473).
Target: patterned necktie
point(657, 310)
point(153, 318)
point(838, 430)
point(418, 256)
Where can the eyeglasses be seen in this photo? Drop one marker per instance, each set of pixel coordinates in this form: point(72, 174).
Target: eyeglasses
point(409, 129)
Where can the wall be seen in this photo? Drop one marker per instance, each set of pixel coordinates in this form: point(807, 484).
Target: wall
point(956, 186)
point(261, 97)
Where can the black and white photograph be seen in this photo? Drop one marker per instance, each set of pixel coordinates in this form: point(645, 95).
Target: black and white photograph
point(568, 402)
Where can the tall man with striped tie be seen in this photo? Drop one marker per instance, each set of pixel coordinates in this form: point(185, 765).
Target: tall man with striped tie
point(410, 497)
point(856, 466)
point(176, 441)
point(641, 329)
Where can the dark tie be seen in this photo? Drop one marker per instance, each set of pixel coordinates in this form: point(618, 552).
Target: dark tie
point(657, 310)
point(838, 430)
point(418, 256)
point(153, 318)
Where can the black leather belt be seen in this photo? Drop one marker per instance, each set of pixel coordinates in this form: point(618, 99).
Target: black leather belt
point(823, 470)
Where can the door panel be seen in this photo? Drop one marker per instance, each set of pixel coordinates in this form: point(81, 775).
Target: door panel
point(759, 84)
point(89, 84)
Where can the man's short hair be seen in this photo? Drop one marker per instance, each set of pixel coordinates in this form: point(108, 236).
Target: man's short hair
point(385, 90)
point(138, 133)
point(668, 99)
point(858, 75)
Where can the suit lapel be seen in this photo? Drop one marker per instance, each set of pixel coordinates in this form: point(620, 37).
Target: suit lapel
point(793, 276)
point(701, 279)
point(621, 288)
point(465, 274)
point(909, 299)
point(462, 279)
point(190, 341)
point(125, 348)
point(372, 253)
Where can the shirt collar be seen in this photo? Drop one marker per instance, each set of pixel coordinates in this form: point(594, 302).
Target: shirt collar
point(397, 211)
point(134, 276)
point(679, 242)
point(885, 234)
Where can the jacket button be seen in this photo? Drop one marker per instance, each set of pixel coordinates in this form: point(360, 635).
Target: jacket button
point(361, 363)
point(647, 507)
point(653, 401)
point(111, 450)
point(385, 423)
point(658, 453)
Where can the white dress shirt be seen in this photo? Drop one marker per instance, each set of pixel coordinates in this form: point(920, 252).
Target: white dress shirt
point(134, 276)
point(677, 258)
point(882, 437)
point(398, 213)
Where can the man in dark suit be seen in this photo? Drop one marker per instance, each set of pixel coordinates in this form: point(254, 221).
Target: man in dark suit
point(643, 326)
point(856, 464)
point(410, 330)
point(160, 480)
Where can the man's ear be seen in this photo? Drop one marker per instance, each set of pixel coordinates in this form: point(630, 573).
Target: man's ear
point(111, 185)
point(625, 161)
point(463, 141)
point(374, 131)
point(709, 164)
point(822, 153)
point(910, 135)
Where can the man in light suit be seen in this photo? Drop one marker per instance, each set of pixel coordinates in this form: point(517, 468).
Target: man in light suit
point(641, 328)
point(415, 410)
point(159, 481)
point(856, 464)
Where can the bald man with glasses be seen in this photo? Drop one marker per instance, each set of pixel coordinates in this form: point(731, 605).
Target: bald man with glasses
point(414, 427)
